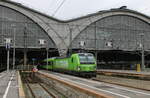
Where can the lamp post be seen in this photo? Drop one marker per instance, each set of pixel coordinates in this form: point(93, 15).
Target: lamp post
point(47, 56)
point(25, 48)
point(142, 51)
point(14, 45)
point(8, 42)
point(95, 43)
point(70, 39)
point(8, 58)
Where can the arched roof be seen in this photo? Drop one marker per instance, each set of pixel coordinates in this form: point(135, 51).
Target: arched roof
point(38, 18)
point(76, 24)
point(78, 18)
point(79, 24)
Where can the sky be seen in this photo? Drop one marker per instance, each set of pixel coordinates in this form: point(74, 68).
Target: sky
point(70, 9)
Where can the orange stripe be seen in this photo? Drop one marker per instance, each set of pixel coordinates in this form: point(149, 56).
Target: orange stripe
point(21, 91)
point(74, 86)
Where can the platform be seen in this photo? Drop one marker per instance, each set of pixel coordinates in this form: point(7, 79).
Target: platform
point(9, 84)
point(111, 90)
point(126, 71)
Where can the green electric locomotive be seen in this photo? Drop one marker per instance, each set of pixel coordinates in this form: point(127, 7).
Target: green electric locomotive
point(82, 64)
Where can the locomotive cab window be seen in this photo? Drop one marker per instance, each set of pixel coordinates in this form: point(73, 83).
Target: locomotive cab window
point(86, 58)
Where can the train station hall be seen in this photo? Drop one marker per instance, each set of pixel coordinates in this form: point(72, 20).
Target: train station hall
point(119, 38)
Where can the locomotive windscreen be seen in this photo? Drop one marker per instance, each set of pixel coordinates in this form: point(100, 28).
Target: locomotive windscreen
point(86, 58)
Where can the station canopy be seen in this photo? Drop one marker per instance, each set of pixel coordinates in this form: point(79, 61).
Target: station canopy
point(69, 9)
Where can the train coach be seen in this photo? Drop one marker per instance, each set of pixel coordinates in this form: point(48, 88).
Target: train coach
point(82, 64)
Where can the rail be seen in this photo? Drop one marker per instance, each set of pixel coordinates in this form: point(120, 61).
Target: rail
point(75, 86)
point(126, 74)
point(29, 80)
point(132, 80)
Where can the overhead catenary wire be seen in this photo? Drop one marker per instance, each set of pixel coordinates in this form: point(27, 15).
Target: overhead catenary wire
point(57, 9)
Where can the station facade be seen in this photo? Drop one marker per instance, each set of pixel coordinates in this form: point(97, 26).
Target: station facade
point(115, 35)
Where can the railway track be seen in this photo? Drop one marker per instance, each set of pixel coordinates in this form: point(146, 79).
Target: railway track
point(122, 80)
point(36, 88)
point(132, 80)
point(117, 91)
point(132, 83)
point(126, 74)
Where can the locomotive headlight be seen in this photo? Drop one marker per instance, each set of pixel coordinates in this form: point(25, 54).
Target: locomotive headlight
point(78, 67)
